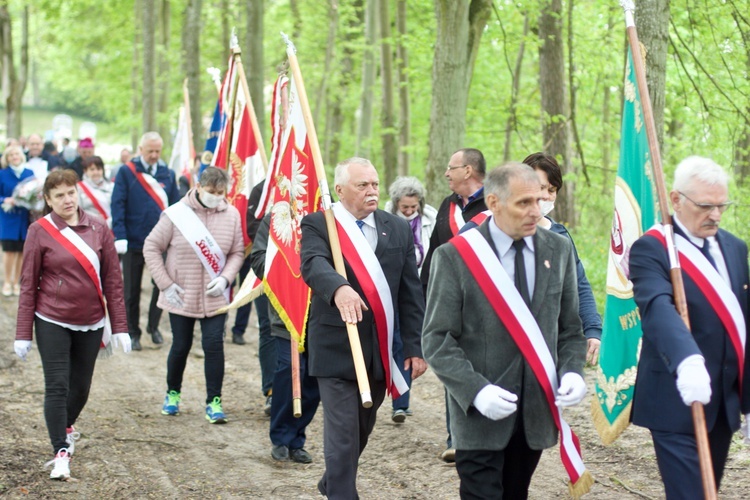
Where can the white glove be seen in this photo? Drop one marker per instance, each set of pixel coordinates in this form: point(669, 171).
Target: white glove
point(22, 348)
point(693, 380)
point(121, 339)
point(495, 402)
point(121, 246)
point(572, 390)
point(172, 293)
point(745, 428)
point(216, 286)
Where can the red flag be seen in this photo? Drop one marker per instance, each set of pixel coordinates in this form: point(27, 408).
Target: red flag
point(237, 149)
point(293, 192)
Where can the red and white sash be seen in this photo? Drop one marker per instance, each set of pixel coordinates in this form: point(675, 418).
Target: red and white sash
point(205, 246)
point(86, 257)
point(513, 312)
point(456, 218)
point(151, 186)
point(369, 273)
point(718, 293)
point(96, 202)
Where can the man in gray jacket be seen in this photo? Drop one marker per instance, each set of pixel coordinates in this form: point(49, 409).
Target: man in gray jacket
point(501, 417)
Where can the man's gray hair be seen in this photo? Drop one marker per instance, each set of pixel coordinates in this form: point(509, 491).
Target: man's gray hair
point(150, 136)
point(214, 177)
point(498, 180)
point(341, 174)
point(403, 187)
point(703, 170)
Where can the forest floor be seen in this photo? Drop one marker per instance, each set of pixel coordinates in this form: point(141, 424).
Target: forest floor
point(129, 450)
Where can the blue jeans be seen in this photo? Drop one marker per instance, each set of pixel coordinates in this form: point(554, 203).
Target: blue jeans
point(212, 340)
point(402, 402)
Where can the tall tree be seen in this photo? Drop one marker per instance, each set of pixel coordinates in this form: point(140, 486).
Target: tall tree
point(148, 101)
point(364, 125)
point(460, 24)
point(403, 90)
point(652, 20)
point(742, 145)
point(387, 112)
point(136, 81)
point(164, 57)
point(191, 29)
point(510, 125)
point(254, 59)
point(555, 129)
point(333, 21)
point(14, 81)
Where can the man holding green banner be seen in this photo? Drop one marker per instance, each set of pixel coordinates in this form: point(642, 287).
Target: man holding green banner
point(633, 215)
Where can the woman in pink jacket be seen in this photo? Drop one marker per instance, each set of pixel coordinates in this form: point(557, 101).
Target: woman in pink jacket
point(202, 237)
point(70, 281)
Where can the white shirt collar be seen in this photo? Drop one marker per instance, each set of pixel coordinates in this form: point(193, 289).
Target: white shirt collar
point(503, 242)
point(693, 239)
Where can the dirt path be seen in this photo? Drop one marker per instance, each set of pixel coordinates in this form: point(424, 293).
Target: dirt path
point(129, 450)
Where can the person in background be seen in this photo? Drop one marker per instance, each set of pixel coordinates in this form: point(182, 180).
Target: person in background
point(95, 191)
point(142, 191)
point(40, 161)
point(202, 237)
point(14, 221)
point(68, 152)
point(408, 202)
point(85, 150)
point(125, 156)
point(70, 272)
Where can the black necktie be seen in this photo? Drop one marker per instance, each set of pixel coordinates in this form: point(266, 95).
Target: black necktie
point(705, 251)
point(522, 283)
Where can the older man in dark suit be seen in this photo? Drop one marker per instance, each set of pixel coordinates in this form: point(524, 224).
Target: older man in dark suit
point(679, 366)
point(382, 286)
point(502, 414)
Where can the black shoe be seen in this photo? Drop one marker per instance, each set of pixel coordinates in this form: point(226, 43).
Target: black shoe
point(135, 343)
point(300, 456)
point(267, 406)
point(280, 453)
point(399, 416)
point(238, 339)
point(156, 337)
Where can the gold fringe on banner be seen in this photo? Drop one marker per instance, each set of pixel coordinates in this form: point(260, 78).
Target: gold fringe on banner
point(582, 486)
point(609, 432)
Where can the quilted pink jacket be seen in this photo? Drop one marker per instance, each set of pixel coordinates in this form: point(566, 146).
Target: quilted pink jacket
point(182, 265)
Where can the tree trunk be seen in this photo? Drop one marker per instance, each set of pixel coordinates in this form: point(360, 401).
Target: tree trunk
point(14, 81)
point(254, 63)
point(191, 29)
point(512, 122)
point(652, 20)
point(226, 29)
point(164, 72)
point(135, 75)
point(555, 129)
point(364, 130)
point(333, 20)
point(296, 19)
point(742, 146)
point(606, 137)
point(387, 118)
point(460, 24)
point(403, 91)
point(148, 22)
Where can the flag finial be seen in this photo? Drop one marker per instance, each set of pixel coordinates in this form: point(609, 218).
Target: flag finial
point(627, 5)
point(234, 43)
point(215, 74)
point(289, 44)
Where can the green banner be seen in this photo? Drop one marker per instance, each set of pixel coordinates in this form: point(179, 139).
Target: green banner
point(635, 212)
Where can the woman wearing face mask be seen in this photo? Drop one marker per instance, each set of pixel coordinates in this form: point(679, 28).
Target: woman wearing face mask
point(550, 176)
point(95, 191)
point(14, 221)
point(202, 237)
point(407, 201)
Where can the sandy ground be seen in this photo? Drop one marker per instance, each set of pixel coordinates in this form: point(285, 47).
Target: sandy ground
point(129, 450)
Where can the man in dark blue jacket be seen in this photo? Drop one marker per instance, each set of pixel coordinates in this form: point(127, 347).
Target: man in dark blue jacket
point(143, 189)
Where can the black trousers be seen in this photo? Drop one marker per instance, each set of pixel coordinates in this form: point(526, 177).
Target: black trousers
point(132, 270)
point(498, 474)
point(68, 360)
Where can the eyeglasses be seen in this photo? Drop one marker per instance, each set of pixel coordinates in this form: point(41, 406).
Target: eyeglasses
point(450, 167)
point(708, 207)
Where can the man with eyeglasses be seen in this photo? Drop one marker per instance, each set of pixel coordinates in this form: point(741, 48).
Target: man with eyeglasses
point(465, 174)
point(706, 363)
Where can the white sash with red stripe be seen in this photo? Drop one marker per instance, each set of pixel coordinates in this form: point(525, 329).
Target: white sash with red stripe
point(151, 186)
point(479, 218)
point(361, 258)
point(513, 312)
point(97, 202)
point(86, 257)
point(206, 248)
point(717, 291)
point(455, 217)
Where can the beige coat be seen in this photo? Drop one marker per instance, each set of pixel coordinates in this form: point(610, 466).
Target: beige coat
point(182, 265)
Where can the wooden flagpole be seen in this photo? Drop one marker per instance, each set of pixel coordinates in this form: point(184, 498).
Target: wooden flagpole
point(333, 237)
point(678, 287)
point(188, 123)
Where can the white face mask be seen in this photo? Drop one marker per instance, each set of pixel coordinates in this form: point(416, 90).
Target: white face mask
point(546, 206)
point(210, 200)
point(411, 217)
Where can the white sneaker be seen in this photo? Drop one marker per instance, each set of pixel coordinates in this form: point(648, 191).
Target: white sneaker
point(60, 465)
point(71, 437)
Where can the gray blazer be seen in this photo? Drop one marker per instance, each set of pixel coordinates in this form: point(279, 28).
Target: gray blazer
point(468, 347)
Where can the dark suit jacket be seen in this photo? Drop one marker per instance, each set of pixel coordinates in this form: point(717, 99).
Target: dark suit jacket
point(468, 347)
point(328, 343)
point(667, 342)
